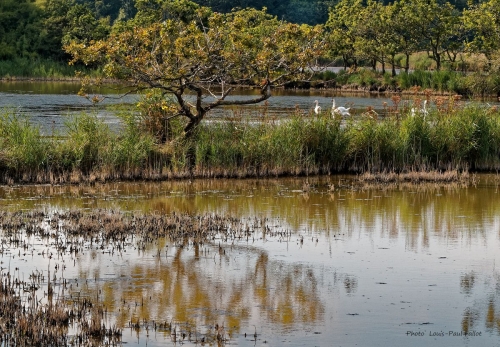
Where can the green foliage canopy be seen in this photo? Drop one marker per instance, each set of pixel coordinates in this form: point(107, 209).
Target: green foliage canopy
point(20, 22)
point(205, 54)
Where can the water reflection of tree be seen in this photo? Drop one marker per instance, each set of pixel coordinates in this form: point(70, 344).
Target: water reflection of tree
point(467, 282)
point(492, 317)
point(350, 284)
point(488, 312)
point(419, 212)
point(470, 318)
point(202, 286)
point(289, 294)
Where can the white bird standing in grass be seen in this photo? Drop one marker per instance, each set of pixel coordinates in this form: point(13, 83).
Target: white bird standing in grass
point(340, 110)
point(423, 111)
point(317, 108)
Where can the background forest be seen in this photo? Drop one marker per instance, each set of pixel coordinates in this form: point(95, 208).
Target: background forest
point(455, 36)
point(37, 28)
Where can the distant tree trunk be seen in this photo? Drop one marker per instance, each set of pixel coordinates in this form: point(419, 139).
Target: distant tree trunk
point(407, 64)
point(345, 59)
point(393, 64)
point(436, 56)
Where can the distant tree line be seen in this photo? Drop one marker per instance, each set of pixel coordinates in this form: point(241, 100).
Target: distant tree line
point(296, 11)
point(378, 32)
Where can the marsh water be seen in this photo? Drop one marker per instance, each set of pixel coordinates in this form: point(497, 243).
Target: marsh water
point(365, 266)
point(377, 266)
point(50, 105)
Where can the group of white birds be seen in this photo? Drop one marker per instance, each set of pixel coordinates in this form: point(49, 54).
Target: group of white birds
point(345, 111)
point(335, 110)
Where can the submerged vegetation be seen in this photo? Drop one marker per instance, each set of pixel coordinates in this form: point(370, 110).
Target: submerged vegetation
point(452, 136)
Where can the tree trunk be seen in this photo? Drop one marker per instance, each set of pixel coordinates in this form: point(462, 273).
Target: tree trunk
point(437, 59)
point(393, 65)
point(407, 64)
point(191, 126)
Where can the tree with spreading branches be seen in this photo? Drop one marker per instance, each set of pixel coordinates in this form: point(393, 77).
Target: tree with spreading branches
point(198, 58)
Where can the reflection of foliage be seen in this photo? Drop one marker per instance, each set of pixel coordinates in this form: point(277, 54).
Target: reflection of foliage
point(295, 299)
point(489, 313)
point(470, 318)
point(178, 290)
point(351, 284)
point(492, 317)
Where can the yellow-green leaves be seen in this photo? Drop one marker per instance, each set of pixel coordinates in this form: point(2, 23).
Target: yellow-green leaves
point(205, 53)
point(483, 20)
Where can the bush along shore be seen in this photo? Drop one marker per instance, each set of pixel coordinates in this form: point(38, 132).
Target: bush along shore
point(449, 137)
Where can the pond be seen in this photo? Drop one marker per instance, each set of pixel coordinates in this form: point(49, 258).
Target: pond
point(348, 265)
point(51, 104)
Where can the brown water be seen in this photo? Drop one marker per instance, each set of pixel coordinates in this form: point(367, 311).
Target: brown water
point(371, 267)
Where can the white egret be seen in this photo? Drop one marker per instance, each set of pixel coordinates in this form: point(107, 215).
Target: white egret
point(423, 111)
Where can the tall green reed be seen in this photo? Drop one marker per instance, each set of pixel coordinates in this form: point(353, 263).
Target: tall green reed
point(23, 150)
point(460, 138)
point(443, 80)
point(130, 150)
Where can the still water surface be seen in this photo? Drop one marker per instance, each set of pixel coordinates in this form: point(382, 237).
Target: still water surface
point(369, 267)
point(51, 104)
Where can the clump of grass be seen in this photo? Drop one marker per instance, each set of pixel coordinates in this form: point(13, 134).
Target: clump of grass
point(415, 176)
point(326, 75)
point(441, 81)
point(364, 77)
point(421, 61)
point(90, 140)
point(24, 151)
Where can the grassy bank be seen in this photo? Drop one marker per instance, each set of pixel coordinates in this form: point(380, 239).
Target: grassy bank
point(473, 84)
point(448, 138)
point(363, 79)
point(20, 68)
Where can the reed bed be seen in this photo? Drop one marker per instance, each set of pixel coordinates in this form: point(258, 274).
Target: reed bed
point(451, 136)
point(417, 177)
point(104, 227)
